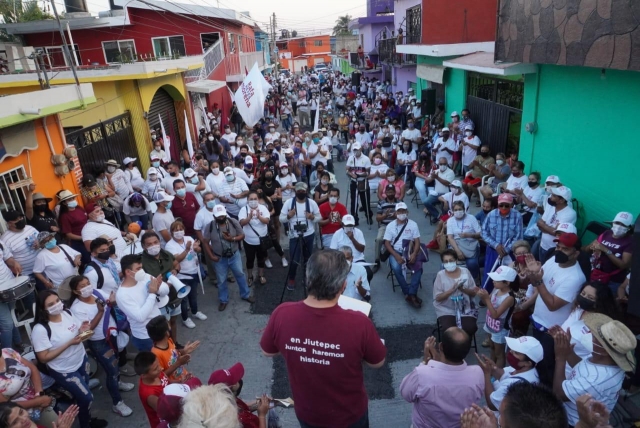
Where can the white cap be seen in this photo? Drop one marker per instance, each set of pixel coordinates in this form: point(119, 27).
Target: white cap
point(287, 150)
point(567, 228)
point(625, 218)
point(503, 273)
point(563, 191)
point(527, 345)
point(162, 197)
point(454, 113)
point(128, 160)
point(356, 146)
point(283, 164)
point(228, 171)
point(445, 129)
point(552, 179)
point(177, 389)
point(219, 211)
point(189, 173)
point(401, 206)
point(348, 220)
point(152, 171)
point(456, 183)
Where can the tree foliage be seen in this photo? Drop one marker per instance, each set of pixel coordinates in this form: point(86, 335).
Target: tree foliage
point(15, 11)
point(342, 25)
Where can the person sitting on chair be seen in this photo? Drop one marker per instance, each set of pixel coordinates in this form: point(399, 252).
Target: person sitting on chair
point(357, 283)
point(352, 237)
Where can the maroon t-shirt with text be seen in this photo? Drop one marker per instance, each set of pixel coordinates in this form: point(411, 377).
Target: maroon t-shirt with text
point(624, 244)
point(186, 209)
point(335, 214)
point(324, 350)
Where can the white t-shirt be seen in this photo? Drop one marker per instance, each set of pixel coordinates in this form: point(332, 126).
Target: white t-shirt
point(203, 218)
point(300, 217)
point(564, 283)
point(109, 283)
point(581, 337)
point(314, 153)
point(500, 386)
point(411, 135)
point(250, 236)
point(442, 145)
point(382, 168)
point(190, 263)
point(451, 198)
point(215, 181)
point(56, 266)
point(87, 312)
point(534, 195)
point(603, 383)
point(5, 272)
point(410, 232)
point(93, 230)
point(363, 138)
point(162, 221)
point(468, 224)
point(340, 239)
point(22, 246)
point(517, 182)
point(198, 193)
point(406, 157)
point(139, 306)
point(61, 332)
point(238, 186)
point(553, 219)
point(449, 176)
point(358, 164)
point(135, 177)
point(287, 179)
point(469, 153)
point(150, 188)
point(167, 183)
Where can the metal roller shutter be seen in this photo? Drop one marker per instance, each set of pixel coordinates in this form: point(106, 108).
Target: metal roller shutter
point(163, 105)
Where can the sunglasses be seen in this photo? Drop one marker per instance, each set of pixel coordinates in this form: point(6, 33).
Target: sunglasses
point(504, 205)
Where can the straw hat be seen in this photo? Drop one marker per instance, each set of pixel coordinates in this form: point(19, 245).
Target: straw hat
point(615, 338)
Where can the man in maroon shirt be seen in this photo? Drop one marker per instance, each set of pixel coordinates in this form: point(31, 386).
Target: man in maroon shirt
point(324, 346)
point(185, 206)
point(332, 212)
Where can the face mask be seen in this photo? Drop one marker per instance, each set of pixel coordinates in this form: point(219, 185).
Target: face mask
point(227, 131)
point(140, 276)
point(585, 304)
point(454, 190)
point(348, 229)
point(513, 361)
point(103, 255)
point(401, 217)
point(178, 234)
point(56, 309)
point(210, 138)
point(499, 162)
point(50, 244)
point(272, 130)
point(521, 259)
point(284, 171)
point(168, 206)
point(100, 218)
point(377, 161)
point(86, 291)
point(40, 208)
point(215, 171)
point(181, 192)
point(484, 154)
point(153, 177)
point(516, 174)
point(195, 180)
point(72, 204)
point(458, 214)
point(410, 125)
point(450, 266)
point(325, 182)
point(153, 250)
point(263, 159)
point(111, 169)
point(391, 179)
point(229, 178)
point(211, 204)
point(155, 164)
point(560, 257)
point(301, 195)
point(173, 174)
point(442, 168)
point(20, 224)
point(268, 177)
point(253, 204)
point(315, 140)
point(221, 219)
point(552, 202)
point(533, 183)
point(468, 133)
point(619, 230)
point(333, 200)
point(504, 211)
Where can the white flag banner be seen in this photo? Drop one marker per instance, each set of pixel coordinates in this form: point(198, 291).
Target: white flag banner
point(251, 95)
point(188, 132)
point(317, 119)
point(205, 119)
point(167, 143)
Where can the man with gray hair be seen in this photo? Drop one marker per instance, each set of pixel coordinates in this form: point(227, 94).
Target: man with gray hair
point(357, 281)
point(324, 346)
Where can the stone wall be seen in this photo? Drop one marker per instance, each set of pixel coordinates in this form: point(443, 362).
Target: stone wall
point(592, 33)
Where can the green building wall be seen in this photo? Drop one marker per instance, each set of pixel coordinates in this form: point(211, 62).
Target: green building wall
point(455, 85)
point(585, 134)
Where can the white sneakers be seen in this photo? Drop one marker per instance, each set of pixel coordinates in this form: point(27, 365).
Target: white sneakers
point(188, 323)
point(125, 387)
point(122, 409)
point(268, 264)
point(285, 263)
point(200, 316)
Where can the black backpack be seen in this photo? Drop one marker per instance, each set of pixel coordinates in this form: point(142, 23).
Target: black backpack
point(98, 270)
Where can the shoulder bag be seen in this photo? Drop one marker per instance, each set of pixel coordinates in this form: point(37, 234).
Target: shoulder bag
point(265, 241)
point(384, 253)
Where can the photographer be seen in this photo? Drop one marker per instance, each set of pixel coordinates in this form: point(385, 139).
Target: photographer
point(300, 213)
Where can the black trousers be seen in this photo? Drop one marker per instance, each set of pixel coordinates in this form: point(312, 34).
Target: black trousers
point(547, 366)
point(365, 200)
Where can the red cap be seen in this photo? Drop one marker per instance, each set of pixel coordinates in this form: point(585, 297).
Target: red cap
point(193, 383)
point(505, 197)
point(229, 377)
point(567, 239)
point(169, 408)
point(90, 207)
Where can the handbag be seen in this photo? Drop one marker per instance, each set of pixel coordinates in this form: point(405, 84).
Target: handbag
point(384, 253)
point(265, 241)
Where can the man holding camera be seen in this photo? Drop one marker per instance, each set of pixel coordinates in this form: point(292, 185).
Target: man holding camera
point(300, 214)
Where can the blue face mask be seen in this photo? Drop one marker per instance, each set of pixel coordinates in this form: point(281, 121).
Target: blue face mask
point(169, 205)
point(211, 204)
point(296, 151)
point(155, 164)
point(51, 244)
point(195, 180)
point(181, 192)
point(315, 140)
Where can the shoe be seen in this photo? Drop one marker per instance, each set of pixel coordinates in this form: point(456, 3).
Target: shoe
point(125, 387)
point(268, 264)
point(291, 285)
point(94, 383)
point(200, 316)
point(122, 409)
point(222, 306)
point(127, 370)
point(250, 299)
point(376, 267)
point(410, 192)
point(433, 245)
point(486, 343)
point(419, 300)
point(361, 209)
point(188, 323)
point(230, 278)
point(285, 263)
point(98, 423)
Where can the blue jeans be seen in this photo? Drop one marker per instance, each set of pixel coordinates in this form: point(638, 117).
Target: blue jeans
point(9, 333)
point(144, 219)
point(77, 383)
point(408, 290)
point(142, 344)
point(490, 258)
point(421, 187)
point(294, 253)
point(222, 268)
point(473, 264)
point(108, 360)
point(429, 204)
point(192, 297)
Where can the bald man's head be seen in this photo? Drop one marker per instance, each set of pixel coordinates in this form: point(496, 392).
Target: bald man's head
point(455, 344)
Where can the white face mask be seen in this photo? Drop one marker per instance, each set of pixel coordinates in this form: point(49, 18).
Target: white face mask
point(263, 159)
point(140, 276)
point(443, 168)
point(454, 190)
point(333, 200)
point(72, 204)
point(111, 169)
point(152, 178)
point(56, 309)
point(178, 234)
point(284, 171)
point(619, 230)
point(86, 291)
point(215, 171)
point(153, 250)
point(468, 133)
point(450, 266)
point(100, 218)
point(458, 214)
point(253, 204)
point(348, 229)
point(210, 138)
point(499, 162)
point(401, 217)
point(391, 179)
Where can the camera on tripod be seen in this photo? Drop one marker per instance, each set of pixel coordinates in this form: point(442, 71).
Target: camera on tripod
point(301, 228)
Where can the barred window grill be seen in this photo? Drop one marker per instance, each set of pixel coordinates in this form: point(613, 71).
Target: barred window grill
point(506, 92)
point(11, 199)
point(414, 25)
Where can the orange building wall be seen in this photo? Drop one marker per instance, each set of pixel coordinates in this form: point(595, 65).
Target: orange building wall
point(41, 169)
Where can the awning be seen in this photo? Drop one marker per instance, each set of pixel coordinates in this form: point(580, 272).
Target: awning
point(205, 86)
point(482, 62)
point(432, 73)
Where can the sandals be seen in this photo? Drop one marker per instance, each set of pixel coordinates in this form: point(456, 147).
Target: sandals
point(262, 280)
point(250, 281)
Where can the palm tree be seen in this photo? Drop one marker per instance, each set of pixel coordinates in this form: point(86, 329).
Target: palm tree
point(13, 11)
point(342, 25)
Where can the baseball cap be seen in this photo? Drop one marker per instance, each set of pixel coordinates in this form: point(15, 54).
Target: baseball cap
point(552, 179)
point(283, 164)
point(567, 239)
point(401, 206)
point(229, 376)
point(154, 156)
point(456, 183)
point(563, 191)
point(228, 171)
point(152, 171)
point(624, 217)
point(189, 173)
point(89, 208)
point(445, 129)
point(356, 146)
point(567, 228)
point(301, 186)
point(503, 273)
point(128, 160)
point(348, 220)
point(527, 345)
point(505, 197)
point(169, 408)
point(454, 114)
point(219, 211)
point(162, 197)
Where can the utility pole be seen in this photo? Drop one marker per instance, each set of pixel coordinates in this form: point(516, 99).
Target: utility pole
point(273, 37)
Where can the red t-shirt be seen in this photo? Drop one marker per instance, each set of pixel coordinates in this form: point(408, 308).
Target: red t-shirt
point(246, 418)
point(324, 350)
point(335, 215)
point(186, 209)
point(145, 391)
point(73, 221)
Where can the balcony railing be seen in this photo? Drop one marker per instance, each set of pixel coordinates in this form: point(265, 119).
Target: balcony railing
point(388, 54)
point(239, 64)
point(212, 57)
point(413, 30)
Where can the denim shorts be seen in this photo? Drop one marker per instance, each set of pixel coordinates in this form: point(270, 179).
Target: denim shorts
point(168, 313)
point(500, 338)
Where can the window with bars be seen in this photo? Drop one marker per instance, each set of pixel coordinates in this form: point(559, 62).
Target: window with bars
point(317, 43)
point(11, 199)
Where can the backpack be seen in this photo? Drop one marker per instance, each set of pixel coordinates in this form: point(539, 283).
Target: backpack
point(112, 312)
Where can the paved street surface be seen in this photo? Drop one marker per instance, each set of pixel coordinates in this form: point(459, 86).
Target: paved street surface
point(233, 335)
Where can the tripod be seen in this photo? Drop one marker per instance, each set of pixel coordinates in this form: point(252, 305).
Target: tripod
point(301, 260)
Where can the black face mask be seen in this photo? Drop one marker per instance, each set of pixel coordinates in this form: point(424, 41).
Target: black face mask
point(103, 255)
point(551, 202)
point(243, 155)
point(268, 177)
point(20, 224)
point(198, 157)
point(40, 208)
point(301, 195)
point(112, 249)
point(173, 174)
point(221, 219)
point(241, 383)
point(533, 183)
point(586, 304)
point(560, 257)
point(484, 154)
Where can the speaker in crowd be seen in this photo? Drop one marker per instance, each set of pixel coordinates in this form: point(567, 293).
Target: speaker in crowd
point(355, 78)
point(428, 102)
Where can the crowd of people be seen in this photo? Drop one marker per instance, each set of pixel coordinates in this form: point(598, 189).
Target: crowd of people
point(117, 265)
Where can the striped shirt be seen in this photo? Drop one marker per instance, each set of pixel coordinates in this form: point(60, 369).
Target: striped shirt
point(499, 230)
point(22, 245)
point(602, 382)
point(383, 206)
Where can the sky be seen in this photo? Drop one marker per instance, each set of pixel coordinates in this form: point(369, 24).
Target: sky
point(303, 16)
